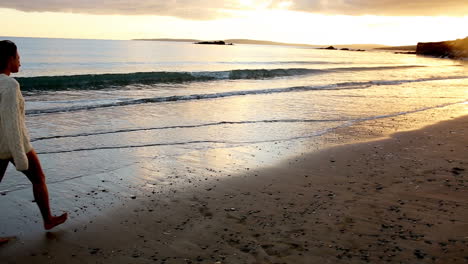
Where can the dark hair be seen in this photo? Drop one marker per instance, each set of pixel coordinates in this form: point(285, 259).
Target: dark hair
point(8, 49)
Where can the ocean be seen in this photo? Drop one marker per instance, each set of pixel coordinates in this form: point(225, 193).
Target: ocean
point(130, 116)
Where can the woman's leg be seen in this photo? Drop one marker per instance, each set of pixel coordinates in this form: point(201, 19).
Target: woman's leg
point(3, 167)
point(41, 195)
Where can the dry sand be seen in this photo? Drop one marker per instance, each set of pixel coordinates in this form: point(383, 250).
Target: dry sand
point(399, 200)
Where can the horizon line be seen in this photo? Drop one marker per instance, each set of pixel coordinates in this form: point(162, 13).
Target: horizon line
point(156, 39)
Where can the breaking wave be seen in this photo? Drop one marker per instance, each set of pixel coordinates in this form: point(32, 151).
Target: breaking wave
point(102, 81)
point(337, 86)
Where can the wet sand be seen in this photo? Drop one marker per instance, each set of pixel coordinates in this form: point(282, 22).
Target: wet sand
point(399, 200)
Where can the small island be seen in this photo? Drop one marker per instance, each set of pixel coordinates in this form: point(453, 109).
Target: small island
point(217, 42)
point(346, 49)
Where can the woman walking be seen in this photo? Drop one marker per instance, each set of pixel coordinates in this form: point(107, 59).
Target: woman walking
point(14, 139)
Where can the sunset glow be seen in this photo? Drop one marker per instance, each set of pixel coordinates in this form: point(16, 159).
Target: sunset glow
point(262, 20)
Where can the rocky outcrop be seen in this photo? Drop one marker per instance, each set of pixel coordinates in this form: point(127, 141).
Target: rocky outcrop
point(346, 49)
point(455, 49)
point(405, 52)
point(219, 42)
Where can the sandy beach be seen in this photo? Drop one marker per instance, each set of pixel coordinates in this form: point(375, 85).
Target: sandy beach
point(402, 199)
point(305, 132)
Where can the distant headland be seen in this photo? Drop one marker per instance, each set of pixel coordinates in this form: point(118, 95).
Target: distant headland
point(454, 49)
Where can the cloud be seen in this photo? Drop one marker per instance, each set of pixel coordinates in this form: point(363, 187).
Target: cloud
point(381, 7)
point(213, 9)
point(191, 9)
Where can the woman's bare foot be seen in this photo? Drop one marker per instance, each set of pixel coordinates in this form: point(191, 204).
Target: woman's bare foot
point(55, 221)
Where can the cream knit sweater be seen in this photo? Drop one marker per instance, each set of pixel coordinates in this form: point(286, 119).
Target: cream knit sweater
point(14, 138)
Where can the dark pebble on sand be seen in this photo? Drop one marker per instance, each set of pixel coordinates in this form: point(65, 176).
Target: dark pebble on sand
point(93, 251)
point(457, 171)
point(419, 254)
point(442, 244)
point(246, 249)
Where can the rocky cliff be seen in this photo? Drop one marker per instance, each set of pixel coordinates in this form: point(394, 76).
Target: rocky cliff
point(446, 49)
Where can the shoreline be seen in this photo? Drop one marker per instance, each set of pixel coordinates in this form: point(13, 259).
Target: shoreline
point(398, 199)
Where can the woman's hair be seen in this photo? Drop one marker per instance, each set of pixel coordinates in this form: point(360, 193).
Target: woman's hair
point(8, 49)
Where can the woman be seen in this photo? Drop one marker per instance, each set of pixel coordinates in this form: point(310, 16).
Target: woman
point(14, 139)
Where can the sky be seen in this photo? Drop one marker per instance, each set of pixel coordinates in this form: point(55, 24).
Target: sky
point(390, 22)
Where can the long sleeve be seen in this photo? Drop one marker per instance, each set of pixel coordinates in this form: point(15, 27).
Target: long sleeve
point(12, 120)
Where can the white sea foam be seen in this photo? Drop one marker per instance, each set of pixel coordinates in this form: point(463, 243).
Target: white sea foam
point(91, 104)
